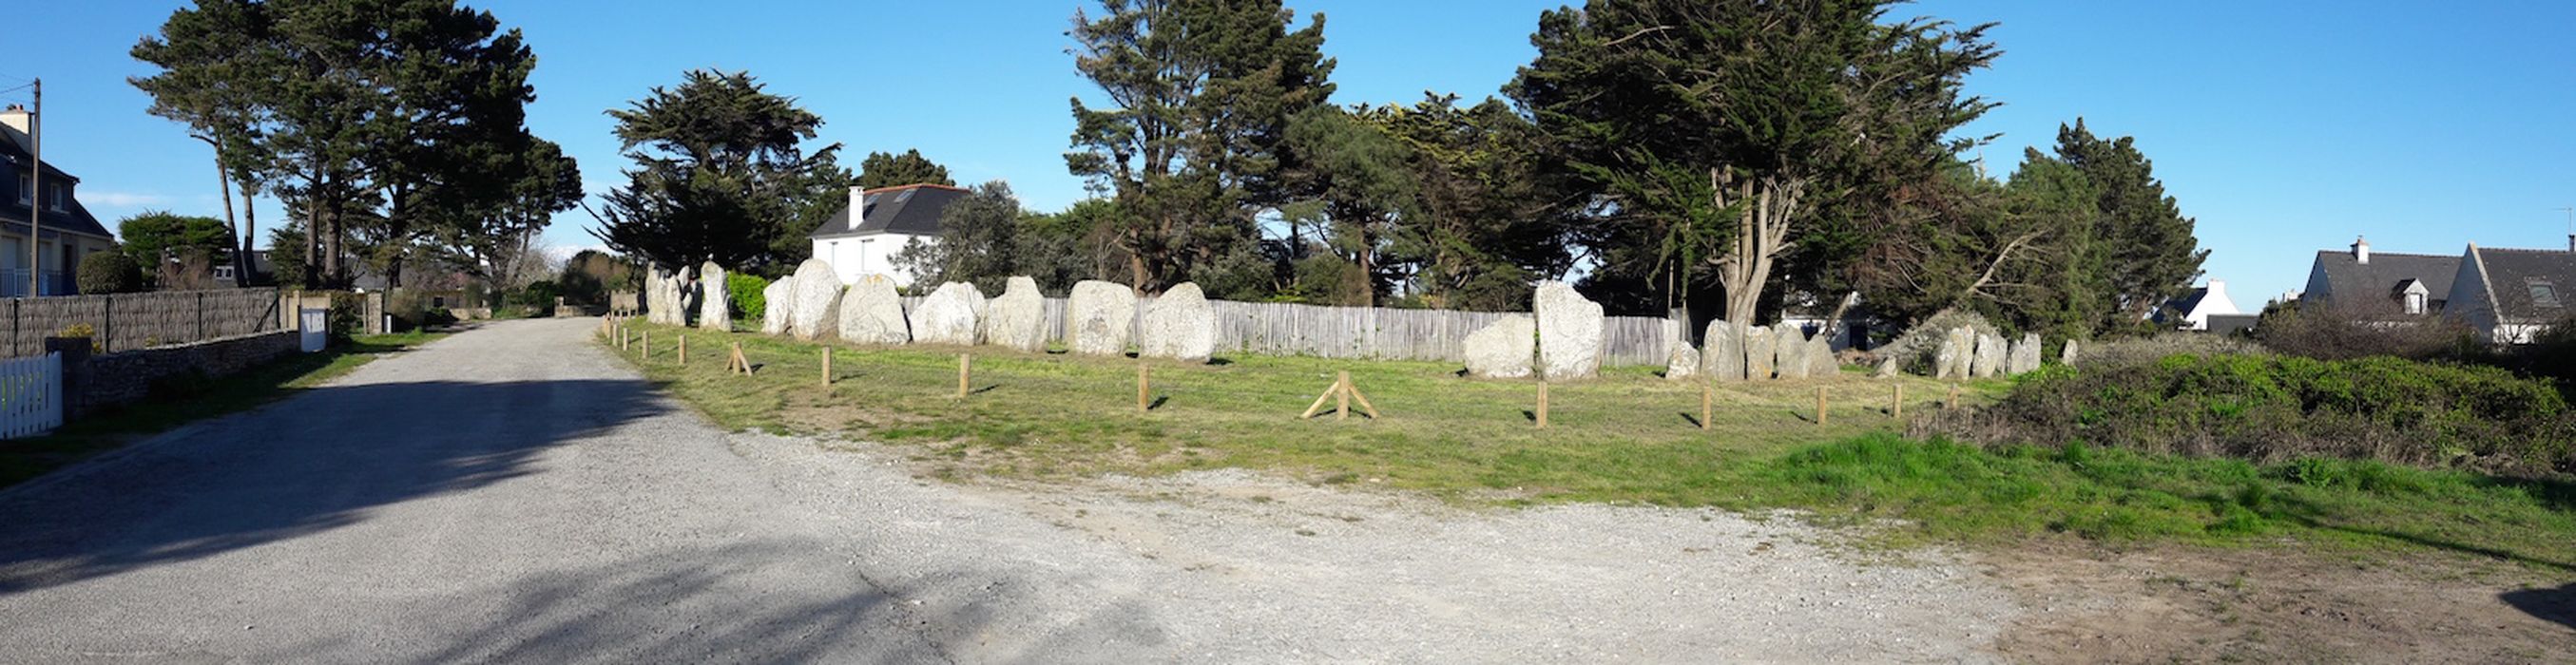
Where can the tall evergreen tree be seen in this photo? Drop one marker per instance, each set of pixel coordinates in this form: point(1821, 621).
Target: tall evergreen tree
point(1717, 134)
point(2158, 255)
point(720, 174)
point(1200, 93)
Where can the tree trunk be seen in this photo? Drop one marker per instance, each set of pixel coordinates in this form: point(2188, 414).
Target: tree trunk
point(312, 238)
point(1368, 271)
point(249, 260)
point(224, 185)
point(1761, 234)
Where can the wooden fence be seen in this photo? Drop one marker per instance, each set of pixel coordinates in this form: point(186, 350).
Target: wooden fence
point(139, 320)
point(31, 395)
point(1287, 329)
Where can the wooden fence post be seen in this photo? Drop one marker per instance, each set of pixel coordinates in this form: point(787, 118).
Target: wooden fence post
point(1706, 395)
point(684, 350)
point(827, 366)
point(1820, 405)
point(647, 343)
point(1954, 396)
point(962, 363)
point(1896, 407)
point(1542, 404)
point(1342, 399)
point(1142, 389)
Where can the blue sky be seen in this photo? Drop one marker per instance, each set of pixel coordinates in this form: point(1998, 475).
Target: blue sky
point(2283, 127)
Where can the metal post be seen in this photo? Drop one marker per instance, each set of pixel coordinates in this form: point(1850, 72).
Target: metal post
point(36, 190)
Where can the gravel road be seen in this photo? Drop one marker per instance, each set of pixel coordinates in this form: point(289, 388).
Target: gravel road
point(514, 494)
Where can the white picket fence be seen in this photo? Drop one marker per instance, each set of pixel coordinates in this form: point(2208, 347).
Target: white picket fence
point(31, 395)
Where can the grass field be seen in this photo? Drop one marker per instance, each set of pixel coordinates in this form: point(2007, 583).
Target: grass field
point(1628, 437)
point(23, 459)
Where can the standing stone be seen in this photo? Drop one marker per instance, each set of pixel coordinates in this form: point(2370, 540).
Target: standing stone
point(1097, 317)
point(1789, 352)
point(2066, 356)
point(949, 315)
point(872, 313)
point(1722, 355)
point(1682, 363)
point(1179, 325)
point(1758, 350)
point(1017, 319)
point(1820, 357)
point(2025, 356)
point(715, 302)
point(1569, 333)
point(1888, 367)
point(818, 301)
point(654, 309)
point(779, 303)
point(1502, 349)
point(1989, 358)
point(1945, 362)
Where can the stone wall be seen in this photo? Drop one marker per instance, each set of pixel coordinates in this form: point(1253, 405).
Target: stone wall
point(91, 383)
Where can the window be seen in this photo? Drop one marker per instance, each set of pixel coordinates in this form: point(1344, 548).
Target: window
point(2542, 293)
point(2414, 303)
point(26, 190)
point(57, 203)
point(905, 196)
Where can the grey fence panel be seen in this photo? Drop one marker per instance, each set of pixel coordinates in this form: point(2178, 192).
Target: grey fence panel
point(140, 320)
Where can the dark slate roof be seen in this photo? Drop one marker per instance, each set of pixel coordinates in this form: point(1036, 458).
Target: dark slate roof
point(2229, 324)
point(2347, 277)
point(77, 219)
point(2531, 285)
point(2181, 306)
point(912, 209)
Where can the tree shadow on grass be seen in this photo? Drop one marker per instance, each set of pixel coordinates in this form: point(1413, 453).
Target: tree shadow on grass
point(315, 462)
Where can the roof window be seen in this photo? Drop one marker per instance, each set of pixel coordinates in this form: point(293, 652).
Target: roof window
point(905, 196)
point(2542, 293)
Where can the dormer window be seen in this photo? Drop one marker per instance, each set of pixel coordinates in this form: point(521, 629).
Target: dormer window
point(26, 190)
point(58, 192)
point(2415, 303)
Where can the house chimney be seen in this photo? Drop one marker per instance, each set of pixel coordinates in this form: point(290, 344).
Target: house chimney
point(858, 207)
point(13, 125)
point(2218, 287)
point(2360, 250)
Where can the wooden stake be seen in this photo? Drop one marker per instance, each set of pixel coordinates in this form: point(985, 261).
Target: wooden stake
point(827, 367)
point(1706, 395)
point(684, 350)
point(1542, 404)
point(1319, 401)
point(1820, 405)
point(1954, 396)
point(962, 364)
point(1142, 387)
point(1354, 390)
point(1896, 408)
point(737, 363)
point(647, 351)
point(1342, 396)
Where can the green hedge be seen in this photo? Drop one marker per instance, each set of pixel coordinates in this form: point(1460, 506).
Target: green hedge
point(750, 295)
point(2270, 408)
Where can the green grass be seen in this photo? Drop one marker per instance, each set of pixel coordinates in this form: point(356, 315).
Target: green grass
point(1960, 492)
point(1625, 438)
point(180, 403)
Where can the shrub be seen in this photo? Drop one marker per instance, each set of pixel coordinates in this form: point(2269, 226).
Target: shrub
point(749, 294)
point(537, 297)
point(2148, 350)
point(2274, 408)
point(84, 330)
point(109, 272)
point(2345, 331)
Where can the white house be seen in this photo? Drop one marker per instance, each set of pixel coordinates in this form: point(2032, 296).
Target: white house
point(864, 237)
point(2193, 309)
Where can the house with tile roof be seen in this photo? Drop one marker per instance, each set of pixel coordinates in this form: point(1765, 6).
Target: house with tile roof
point(66, 233)
point(864, 237)
point(2505, 294)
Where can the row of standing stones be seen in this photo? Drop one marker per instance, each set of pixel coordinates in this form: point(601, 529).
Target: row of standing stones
point(671, 296)
point(1565, 342)
point(812, 305)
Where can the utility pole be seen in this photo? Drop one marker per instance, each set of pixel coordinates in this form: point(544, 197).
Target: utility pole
point(36, 189)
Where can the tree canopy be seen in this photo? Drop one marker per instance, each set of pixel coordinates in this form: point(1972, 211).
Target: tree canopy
point(910, 168)
point(720, 174)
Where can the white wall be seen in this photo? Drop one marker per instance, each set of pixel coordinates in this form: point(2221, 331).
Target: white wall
point(2216, 302)
point(855, 257)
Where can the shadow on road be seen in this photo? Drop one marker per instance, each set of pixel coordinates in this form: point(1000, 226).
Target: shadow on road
point(316, 462)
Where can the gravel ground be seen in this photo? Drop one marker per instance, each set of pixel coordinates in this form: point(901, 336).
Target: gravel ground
point(513, 494)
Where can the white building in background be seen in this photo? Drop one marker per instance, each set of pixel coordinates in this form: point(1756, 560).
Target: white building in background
point(864, 237)
point(2193, 309)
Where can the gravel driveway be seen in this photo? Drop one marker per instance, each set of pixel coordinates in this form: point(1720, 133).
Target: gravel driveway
point(514, 494)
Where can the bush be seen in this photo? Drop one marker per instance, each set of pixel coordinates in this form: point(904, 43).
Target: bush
point(2274, 408)
point(538, 296)
point(2148, 350)
point(2348, 331)
point(109, 272)
point(750, 295)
